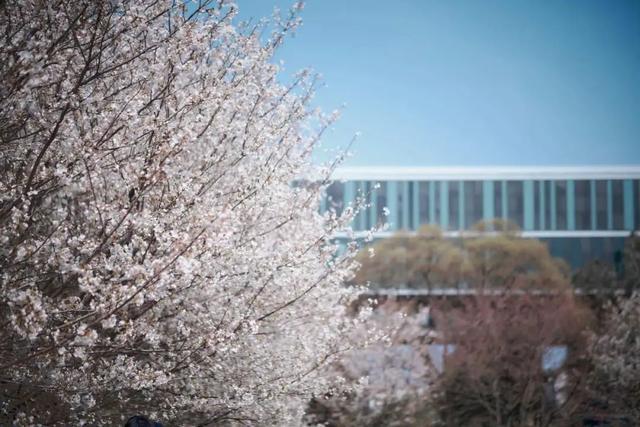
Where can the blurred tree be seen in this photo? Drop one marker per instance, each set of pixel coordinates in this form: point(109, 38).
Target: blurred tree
point(622, 273)
point(506, 260)
point(426, 259)
point(494, 255)
point(614, 380)
point(523, 307)
point(613, 391)
point(632, 263)
point(595, 274)
point(391, 379)
point(500, 372)
point(498, 225)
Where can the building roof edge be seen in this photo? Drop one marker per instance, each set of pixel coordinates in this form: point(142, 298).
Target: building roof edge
point(389, 173)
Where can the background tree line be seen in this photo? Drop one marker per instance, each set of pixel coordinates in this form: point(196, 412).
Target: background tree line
point(527, 351)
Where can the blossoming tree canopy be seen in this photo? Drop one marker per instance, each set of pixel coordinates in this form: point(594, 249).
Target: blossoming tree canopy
point(154, 256)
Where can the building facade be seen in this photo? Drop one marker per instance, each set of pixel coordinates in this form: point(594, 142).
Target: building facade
point(583, 213)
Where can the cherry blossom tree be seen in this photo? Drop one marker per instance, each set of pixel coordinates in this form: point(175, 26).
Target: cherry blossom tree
point(392, 379)
point(615, 355)
point(154, 256)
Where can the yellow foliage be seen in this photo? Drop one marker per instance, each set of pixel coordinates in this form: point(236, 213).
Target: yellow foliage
point(494, 256)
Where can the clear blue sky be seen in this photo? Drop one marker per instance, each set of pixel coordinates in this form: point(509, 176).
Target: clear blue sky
point(474, 82)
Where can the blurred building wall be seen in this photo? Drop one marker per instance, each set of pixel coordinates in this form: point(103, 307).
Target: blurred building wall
point(583, 213)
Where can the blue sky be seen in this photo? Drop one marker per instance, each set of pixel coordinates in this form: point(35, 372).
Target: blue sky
point(474, 82)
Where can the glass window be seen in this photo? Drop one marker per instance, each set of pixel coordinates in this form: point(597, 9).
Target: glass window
point(412, 202)
point(618, 205)
point(364, 214)
point(583, 205)
point(357, 192)
point(547, 204)
point(436, 220)
point(423, 193)
point(335, 197)
point(497, 199)
point(561, 205)
point(515, 202)
point(400, 194)
point(472, 203)
point(381, 203)
point(636, 205)
point(454, 205)
point(601, 205)
point(537, 223)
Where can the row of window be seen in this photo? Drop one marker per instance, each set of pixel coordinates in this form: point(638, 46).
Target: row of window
point(457, 205)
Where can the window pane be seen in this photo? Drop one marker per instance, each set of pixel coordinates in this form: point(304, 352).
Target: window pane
point(436, 220)
point(583, 205)
point(515, 202)
point(472, 202)
point(454, 205)
point(636, 206)
point(366, 217)
point(381, 203)
point(400, 194)
point(424, 201)
point(411, 185)
point(356, 220)
point(335, 197)
point(536, 206)
point(561, 205)
point(547, 204)
point(618, 205)
point(601, 205)
point(497, 199)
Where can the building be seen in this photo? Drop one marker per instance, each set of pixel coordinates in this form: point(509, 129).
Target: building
point(583, 213)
